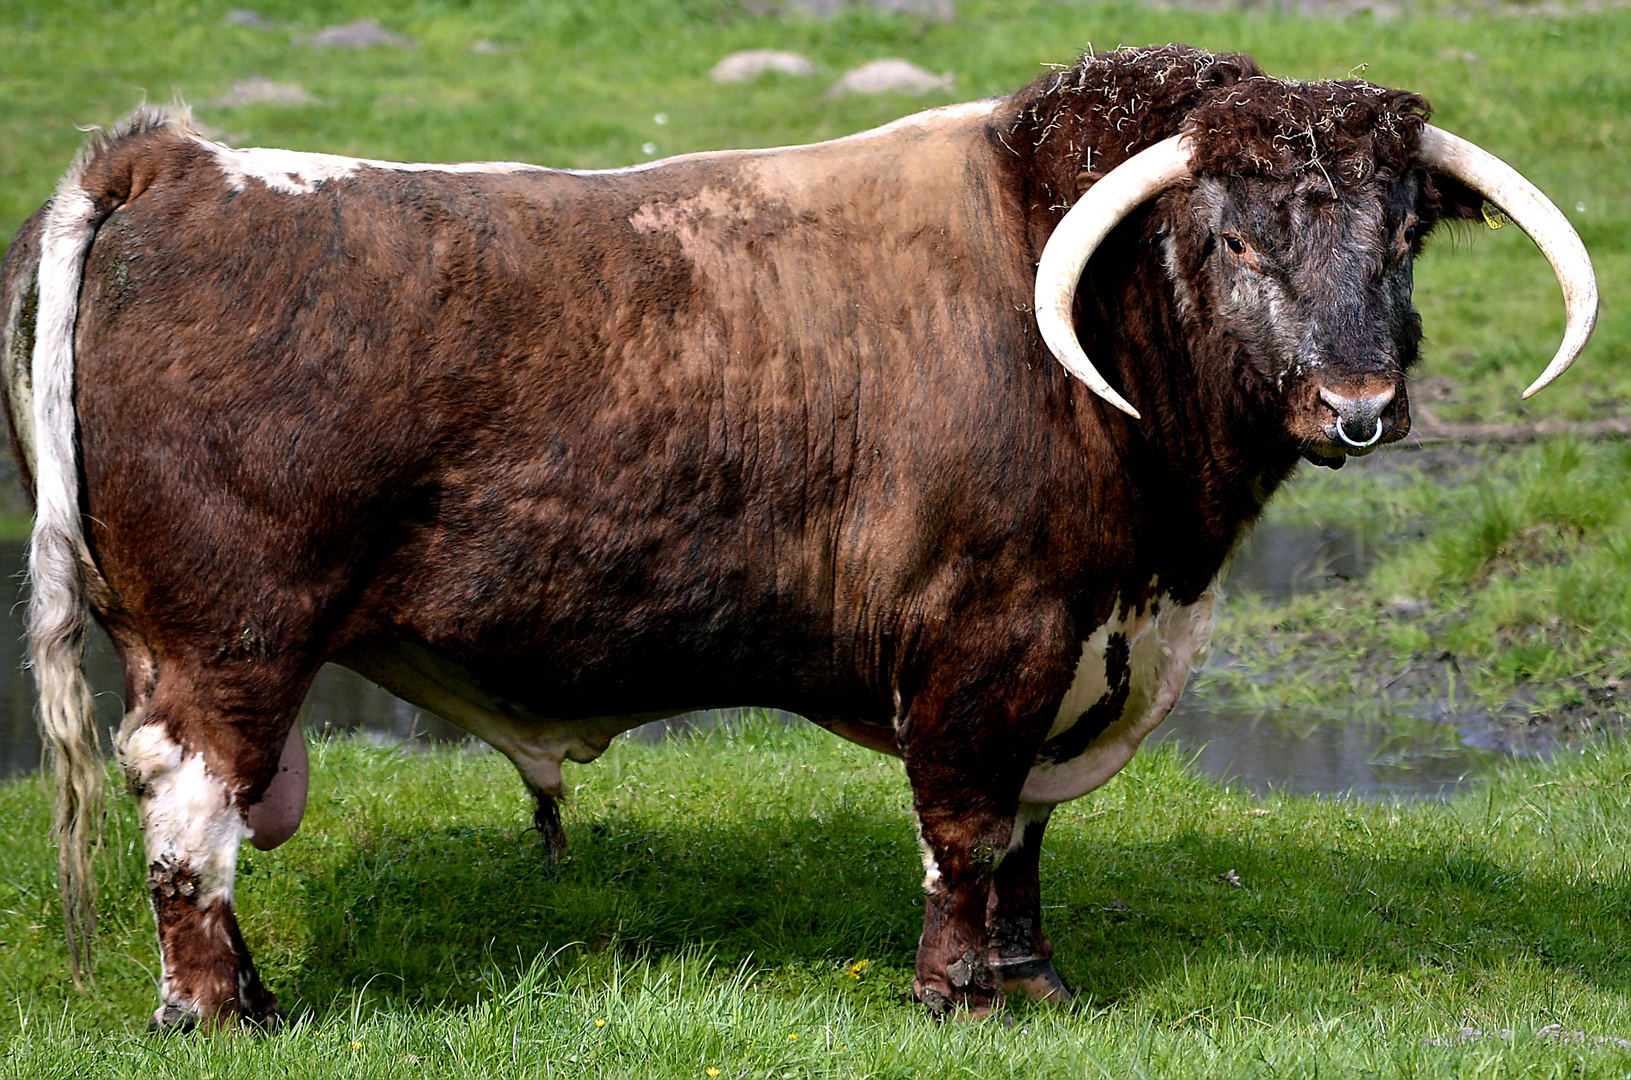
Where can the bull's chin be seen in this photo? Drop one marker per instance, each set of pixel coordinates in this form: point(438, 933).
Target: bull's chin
point(1328, 457)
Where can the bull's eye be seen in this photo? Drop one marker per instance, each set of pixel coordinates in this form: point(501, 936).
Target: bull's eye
point(1235, 244)
point(1410, 233)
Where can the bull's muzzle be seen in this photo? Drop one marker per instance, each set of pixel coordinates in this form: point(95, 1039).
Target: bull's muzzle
point(1359, 422)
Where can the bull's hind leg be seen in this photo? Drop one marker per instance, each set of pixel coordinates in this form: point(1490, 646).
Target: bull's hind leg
point(199, 752)
point(1021, 953)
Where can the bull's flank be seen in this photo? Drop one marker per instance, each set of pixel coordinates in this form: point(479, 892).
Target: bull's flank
point(937, 435)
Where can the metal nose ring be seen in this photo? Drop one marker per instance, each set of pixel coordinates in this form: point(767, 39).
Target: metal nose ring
point(1342, 433)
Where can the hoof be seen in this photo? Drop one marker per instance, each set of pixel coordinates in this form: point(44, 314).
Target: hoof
point(1036, 980)
point(181, 1019)
point(173, 1020)
point(943, 1007)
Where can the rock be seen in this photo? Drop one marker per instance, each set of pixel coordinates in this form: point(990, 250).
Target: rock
point(943, 10)
point(890, 77)
point(362, 34)
point(933, 9)
point(259, 91)
point(483, 47)
point(746, 66)
point(245, 17)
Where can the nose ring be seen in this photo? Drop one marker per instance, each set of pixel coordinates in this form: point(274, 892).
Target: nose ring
point(1342, 434)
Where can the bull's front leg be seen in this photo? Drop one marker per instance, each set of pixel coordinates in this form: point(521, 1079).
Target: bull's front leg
point(193, 785)
point(1021, 953)
point(966, 766)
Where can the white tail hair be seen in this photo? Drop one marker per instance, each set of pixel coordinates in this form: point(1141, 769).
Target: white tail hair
point(57, 562)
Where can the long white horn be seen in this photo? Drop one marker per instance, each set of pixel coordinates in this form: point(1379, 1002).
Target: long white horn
point(1534, 213)
point(1084, 227)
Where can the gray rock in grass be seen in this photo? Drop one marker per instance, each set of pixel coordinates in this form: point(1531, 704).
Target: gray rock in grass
point(740, 67)
point(362, 34)
point(943, 10)
point(244, 17)
point(258, 91)
point(890, 77)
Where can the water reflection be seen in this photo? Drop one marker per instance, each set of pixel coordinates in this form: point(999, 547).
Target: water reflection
point(1395, 754)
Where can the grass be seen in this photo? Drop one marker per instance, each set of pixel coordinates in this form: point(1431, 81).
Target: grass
point(727, 892)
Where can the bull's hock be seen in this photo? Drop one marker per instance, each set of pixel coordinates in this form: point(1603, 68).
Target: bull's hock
point(938, 435)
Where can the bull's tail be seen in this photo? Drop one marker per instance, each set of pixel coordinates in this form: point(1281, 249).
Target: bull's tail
point(56, 558)
point(59, 561)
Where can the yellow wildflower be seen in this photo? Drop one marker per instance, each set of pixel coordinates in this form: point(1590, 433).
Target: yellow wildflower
point(599, 1022)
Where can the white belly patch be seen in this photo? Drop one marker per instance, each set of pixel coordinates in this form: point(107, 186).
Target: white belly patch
point(1132, 671)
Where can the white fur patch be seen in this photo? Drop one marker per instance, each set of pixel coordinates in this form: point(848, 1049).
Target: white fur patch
point(1163, 645)
point(188, 818)
point(295, 172)
point(931, 868)
point(1028, 814)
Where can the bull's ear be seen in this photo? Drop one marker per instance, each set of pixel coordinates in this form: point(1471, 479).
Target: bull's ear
point(1451, 200)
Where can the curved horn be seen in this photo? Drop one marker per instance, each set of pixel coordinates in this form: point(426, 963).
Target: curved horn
point(1534, 213)
point(1074, 239)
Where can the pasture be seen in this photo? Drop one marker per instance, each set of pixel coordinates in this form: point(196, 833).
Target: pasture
point(746, 903)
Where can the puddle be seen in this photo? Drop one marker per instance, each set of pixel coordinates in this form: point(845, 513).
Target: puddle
point(1424, 754)
point(1388, 755)
point(1279, 560)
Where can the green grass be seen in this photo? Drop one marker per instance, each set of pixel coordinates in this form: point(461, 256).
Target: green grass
point(720, 891)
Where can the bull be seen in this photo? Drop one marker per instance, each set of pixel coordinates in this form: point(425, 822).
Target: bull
point(553, 453)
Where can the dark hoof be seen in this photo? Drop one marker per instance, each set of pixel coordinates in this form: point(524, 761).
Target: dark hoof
point(173, 1020)
point(1036, 980)
point(943, 1007)
point(266, 1019)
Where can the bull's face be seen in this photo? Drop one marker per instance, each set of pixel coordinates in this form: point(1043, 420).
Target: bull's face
point(1311, 291)
point(1301, 286)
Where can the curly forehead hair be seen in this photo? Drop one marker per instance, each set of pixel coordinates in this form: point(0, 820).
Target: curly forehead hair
point(1107, 107)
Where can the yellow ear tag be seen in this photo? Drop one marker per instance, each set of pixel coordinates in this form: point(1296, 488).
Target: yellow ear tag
point(1494, 217)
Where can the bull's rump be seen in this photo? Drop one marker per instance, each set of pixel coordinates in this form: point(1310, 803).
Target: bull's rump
point(612, 443)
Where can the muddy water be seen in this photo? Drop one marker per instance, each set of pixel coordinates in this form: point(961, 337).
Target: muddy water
point(1421, 754)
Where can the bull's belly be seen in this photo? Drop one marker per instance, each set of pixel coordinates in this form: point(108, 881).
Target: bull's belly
point(536, 743)
point(1132, 672)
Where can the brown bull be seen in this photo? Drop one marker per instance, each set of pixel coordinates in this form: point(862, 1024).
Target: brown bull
point(552, 453)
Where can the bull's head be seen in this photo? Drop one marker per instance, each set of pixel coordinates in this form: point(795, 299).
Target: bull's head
point(1309, 277)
